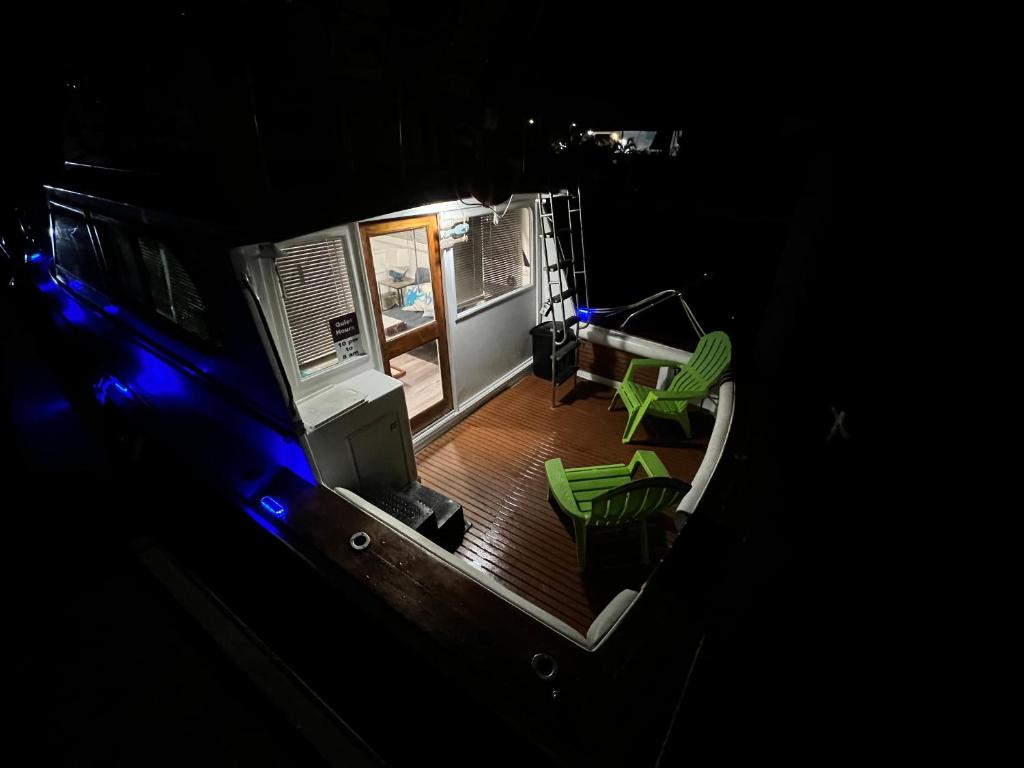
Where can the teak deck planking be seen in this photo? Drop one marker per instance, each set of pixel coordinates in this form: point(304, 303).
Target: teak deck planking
point(493, 464)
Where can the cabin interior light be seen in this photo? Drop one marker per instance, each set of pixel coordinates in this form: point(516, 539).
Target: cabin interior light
point(272, 505)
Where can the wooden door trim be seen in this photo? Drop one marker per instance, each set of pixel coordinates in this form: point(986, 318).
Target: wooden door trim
point(424, 334)
point(429, 415)
point(409, 340)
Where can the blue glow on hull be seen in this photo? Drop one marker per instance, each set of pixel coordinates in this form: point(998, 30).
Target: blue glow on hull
point(191, 404)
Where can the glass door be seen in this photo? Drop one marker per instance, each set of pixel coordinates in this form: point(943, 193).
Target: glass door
point(403, 264)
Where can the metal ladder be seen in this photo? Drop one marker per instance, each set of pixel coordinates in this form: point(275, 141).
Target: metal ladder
point(565, 270)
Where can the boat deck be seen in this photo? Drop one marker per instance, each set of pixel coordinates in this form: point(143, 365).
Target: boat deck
point(493, 463)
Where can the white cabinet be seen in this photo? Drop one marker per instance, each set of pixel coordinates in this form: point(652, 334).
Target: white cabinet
point(358, 435)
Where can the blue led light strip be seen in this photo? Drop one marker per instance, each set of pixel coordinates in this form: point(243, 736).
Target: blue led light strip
point(272, 505)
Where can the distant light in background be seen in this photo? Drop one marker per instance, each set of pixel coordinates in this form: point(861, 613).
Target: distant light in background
point(574, 125)
point(530, 121)
point(590, 133)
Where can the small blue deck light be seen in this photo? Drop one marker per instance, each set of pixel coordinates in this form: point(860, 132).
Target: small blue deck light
point(102, 388)
point(584, 313)
point(272, 505)
point(34, 256)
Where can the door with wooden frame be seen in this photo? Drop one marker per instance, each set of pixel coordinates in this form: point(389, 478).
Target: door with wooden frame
point(403, 264)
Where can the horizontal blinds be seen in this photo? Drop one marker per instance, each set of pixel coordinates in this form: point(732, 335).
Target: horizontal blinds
point(469, 277)
point(156, 276)
point(189, 309)
point(316, 289)
point(490, 262)
point(503, 254)
point(171, 289)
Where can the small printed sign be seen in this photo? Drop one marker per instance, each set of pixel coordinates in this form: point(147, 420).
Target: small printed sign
point(345, 332)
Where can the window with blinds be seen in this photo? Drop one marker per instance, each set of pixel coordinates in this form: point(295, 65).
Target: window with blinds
point(316, 288)
point(171, 289)
point(494, 260)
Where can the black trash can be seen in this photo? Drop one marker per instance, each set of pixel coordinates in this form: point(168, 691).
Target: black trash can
point(542, 350)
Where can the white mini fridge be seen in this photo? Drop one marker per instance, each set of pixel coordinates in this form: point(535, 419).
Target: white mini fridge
point(358, 434)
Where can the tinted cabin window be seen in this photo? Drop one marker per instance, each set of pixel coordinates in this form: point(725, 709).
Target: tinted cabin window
point(72, 248)
point(119, 253)
point(316, 288)
point(493, 260)
point(171, 289)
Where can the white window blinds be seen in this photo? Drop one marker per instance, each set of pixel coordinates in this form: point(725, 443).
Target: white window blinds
point(316, 288)
point(171, 288)
point(492, 260)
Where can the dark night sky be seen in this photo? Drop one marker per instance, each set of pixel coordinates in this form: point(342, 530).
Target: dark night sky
point(460, 76)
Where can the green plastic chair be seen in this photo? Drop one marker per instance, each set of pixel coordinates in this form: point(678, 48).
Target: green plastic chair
point(607, 496)
point(695, 378)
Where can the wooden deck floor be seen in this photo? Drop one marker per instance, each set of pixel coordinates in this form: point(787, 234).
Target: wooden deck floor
point(421, 380)
point(493, 463)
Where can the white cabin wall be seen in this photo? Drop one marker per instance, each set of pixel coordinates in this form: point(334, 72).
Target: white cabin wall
point(488, 344)
point(485, 344)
